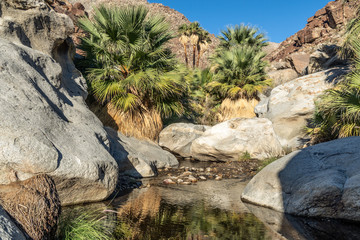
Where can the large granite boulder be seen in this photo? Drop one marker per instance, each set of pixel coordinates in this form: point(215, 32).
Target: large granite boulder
point(291, 105)
point(45, 124)
point(232, 139)
point(178, 137)
point(318, 181)
point(47, 128)
point(138, 158)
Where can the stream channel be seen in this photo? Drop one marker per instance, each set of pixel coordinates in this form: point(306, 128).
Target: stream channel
point(206, 210)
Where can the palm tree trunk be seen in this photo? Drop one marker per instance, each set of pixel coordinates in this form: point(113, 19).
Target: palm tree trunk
point(198, 58)
point(186, 55)
point(194, 55)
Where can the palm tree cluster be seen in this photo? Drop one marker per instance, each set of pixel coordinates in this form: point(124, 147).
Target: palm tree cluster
point(239, 64)
point(128, 65)
point(338, 110)
point(198, 37)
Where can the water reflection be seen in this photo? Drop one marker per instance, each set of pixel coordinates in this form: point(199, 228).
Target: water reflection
point(149, 216)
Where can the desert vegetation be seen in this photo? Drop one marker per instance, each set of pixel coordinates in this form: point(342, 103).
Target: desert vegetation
point(338, 110)
point(133, 74)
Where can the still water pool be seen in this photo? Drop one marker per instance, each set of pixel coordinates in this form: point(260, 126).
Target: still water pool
point(207, 210)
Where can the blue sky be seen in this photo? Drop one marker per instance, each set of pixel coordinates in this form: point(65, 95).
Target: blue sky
point(279, 19)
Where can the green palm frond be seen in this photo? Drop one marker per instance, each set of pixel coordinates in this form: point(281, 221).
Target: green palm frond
point(129, 64)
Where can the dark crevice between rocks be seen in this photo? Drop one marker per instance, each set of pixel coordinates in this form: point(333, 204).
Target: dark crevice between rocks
point(20, 33)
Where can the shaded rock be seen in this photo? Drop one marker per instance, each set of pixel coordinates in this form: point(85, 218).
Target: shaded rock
point(291, 105)
point(178, 137)
point(34, 204)
point(325, 57)
point(138, 158)
point(262, 108)
point(318, 181)
point(8, 229)
point(231, 139)
point(282, 76)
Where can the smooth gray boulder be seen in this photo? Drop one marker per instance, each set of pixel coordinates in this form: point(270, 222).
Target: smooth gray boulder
point(138, 158)
point(318, 181)
point(291, 105)
point(231, 139)
point(8, 229)
point(47, 128)
point(178, 137)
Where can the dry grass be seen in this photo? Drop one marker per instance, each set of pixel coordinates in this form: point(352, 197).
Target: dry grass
point(34, 204)
point(241, 108)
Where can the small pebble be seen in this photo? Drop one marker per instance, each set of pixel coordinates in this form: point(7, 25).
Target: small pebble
point(201, 169)
point(168, 181)
point(208, 169)
point(218, 178)
point(185, 183)
point(180, 181)
point(192, 179)
point(202, 178)
point(187, 173)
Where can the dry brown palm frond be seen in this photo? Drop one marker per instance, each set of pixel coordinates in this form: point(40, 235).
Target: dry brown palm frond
point(34, 204)
point(241, 108)
point(145, 125)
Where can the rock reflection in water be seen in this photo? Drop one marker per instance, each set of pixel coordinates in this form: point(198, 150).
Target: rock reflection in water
point(299, 228)
point(149, 216)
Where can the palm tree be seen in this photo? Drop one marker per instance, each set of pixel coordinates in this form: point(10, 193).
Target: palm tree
point(203, 44)
point(184, 32)
point(239, 73)
point(242, 35)
point(338, 110)
point(195, 29)
point(128, 65)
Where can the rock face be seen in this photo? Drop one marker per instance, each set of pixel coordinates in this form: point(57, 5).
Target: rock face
point(47, 128)
point(325, 27)
point(178, 137)
point(32, 24)
point(45, 124)
point(8, 229)
point(291, 105)
point(232, 139)
point(318, 181)
point(138, 158)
